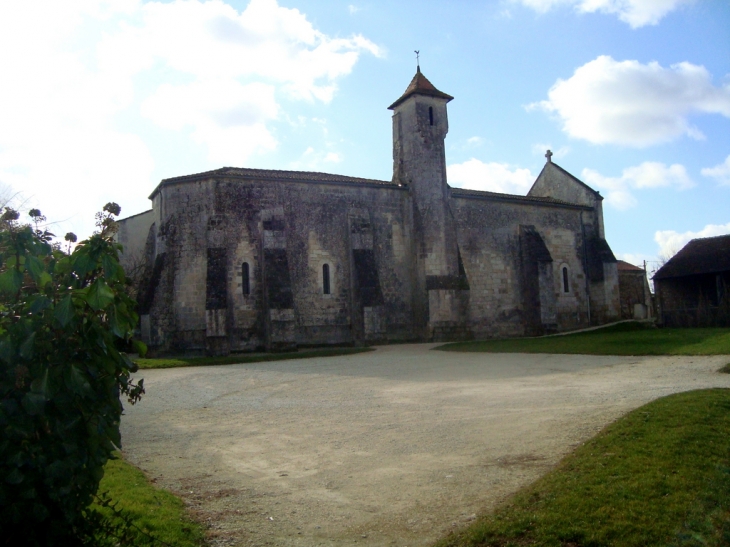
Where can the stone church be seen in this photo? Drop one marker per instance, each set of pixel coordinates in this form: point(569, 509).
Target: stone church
point(244, 259)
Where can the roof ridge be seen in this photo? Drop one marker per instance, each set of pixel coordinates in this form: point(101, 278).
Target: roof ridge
point(274, 175)
point(544, 199)
point(707, 237)
point(490, 192)
point(274, 172)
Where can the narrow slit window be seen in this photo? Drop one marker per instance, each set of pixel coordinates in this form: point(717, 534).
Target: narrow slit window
point(245, 279)
point(566, 285)
point(430, 115)
point(326, 279)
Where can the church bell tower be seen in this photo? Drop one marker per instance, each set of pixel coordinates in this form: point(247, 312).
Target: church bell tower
point(420, 125)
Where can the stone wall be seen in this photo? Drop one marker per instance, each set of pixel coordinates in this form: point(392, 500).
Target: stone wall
point(524, 266)
point(132, 234)
point(513, 254)
point(635, 294)
point(285, 233)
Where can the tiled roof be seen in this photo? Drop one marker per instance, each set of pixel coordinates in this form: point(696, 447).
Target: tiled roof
point(273, 175)
point(420, 86)
point(626, 267)
point(699, 256)
point(463, 192)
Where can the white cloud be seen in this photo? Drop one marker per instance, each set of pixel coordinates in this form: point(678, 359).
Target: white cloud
point(721, 173)
point(634, 104)
point(271, 48)
point(636, 13)
point(353, 9)
point(58, 142)
point(332, 157)
point(77, 75)
point(314, 160)
point(670, 242)
point(647, 175)
point(474, 174)
point(470, 143)
point(228, 117)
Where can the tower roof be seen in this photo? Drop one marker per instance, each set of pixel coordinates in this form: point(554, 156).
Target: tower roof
point(420, 86)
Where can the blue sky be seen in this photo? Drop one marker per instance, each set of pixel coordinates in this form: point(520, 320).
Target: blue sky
point(102, 99)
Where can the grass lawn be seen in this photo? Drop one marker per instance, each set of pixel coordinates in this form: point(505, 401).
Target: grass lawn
point(658, 476)
point(245, 358)
point(621, 339)
point(155, 511)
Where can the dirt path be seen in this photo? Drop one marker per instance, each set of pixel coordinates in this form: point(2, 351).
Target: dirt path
point(393, 447)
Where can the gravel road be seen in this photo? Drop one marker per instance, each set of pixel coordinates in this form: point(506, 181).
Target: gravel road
point(394, 447)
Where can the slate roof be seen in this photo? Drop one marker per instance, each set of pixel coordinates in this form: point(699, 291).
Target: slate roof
point(420, 86)
point(465, 193)
point(699, 256)
point(273, 175)
point(626, 267)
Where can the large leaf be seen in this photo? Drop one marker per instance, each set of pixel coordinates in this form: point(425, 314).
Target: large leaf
point(10, 281)
point(64, 310)
point(14, 477)
point(35, 268)
point(117, 329)
point(39, 303)
point(82, 263)
point(34, 403)
point(7, 351)
point(40, 385)
point(99, 295)
point(44, 279)
point(77, 380)
point(112, 270)
point(26, 348)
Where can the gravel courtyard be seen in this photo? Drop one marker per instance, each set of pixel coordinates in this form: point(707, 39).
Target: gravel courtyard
point(392, 447)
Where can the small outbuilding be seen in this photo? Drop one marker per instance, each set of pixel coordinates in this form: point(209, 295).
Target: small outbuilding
point(692, 287)
point(634, 292)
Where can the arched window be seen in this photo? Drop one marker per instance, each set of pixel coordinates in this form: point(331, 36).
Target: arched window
point(430, 115)
point(326, 278)
point(245, 279)
point(566, 284)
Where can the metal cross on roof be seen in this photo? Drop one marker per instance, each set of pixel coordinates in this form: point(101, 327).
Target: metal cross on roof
point(549, 156)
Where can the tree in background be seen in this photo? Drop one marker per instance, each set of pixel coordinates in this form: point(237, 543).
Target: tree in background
point(63, 316)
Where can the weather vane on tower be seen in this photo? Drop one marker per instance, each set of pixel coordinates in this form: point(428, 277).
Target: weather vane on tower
point(418, 61)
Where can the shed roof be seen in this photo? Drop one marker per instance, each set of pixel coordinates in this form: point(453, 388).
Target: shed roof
point(699, 256)
point(420, 86)
point(624, 266)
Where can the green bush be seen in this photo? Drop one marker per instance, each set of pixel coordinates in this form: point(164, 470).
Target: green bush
point(62, 318)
